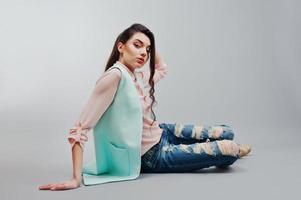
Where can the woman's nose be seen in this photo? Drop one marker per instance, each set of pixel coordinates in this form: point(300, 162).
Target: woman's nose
point(143, 53)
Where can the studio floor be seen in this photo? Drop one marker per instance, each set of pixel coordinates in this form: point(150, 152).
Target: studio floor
point(271, 171)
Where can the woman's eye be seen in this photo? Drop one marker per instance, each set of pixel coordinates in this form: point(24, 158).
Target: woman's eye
point(136, 45)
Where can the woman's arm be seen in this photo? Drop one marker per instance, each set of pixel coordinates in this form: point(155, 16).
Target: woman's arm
point(158, 59)
point(77, 160)
point(99, 101)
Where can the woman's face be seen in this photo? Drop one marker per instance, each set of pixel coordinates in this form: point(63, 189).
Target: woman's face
point(135, 52)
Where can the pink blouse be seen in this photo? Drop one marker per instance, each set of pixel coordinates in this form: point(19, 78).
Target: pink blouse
point(103, 95)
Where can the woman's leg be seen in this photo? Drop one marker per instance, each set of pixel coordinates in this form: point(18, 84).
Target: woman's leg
point(190, 157)
point(185, 148)
point(190, 133)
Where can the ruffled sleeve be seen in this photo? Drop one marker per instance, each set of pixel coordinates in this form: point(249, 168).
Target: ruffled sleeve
point(100, 99)
point(160, 72)
point(77, 134)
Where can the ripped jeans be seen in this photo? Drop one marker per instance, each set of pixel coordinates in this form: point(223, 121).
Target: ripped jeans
point(184, 148)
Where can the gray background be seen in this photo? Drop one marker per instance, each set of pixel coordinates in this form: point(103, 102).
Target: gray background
point(230, 62)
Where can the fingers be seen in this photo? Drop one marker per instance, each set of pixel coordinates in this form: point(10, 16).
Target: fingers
point(59, 186)
point(53, 186)
point(46, 187)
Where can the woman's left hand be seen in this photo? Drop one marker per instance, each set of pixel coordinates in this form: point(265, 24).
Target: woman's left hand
point(66, 185)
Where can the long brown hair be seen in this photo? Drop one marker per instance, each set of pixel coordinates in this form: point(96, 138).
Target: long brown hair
point(124, 37)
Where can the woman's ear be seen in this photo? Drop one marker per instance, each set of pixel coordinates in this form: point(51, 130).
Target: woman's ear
point(120, 47)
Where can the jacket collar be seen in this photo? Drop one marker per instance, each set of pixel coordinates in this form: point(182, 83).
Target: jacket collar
point(127, 69)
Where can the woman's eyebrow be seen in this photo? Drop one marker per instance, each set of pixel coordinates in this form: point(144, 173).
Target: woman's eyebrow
point(141, 42)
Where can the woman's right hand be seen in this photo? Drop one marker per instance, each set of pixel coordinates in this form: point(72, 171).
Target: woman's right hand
point(66, 185)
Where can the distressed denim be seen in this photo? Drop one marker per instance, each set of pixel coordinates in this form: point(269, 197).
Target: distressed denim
point(184, 148)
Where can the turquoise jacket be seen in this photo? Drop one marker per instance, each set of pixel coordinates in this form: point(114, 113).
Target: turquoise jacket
point(117, 137)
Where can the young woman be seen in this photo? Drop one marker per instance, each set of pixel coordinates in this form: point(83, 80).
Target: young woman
point(164, 147)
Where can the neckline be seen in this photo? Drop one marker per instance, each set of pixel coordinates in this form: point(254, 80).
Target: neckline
point(127, 69)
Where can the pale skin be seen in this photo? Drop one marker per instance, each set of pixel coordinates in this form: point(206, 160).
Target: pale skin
point(133, 54)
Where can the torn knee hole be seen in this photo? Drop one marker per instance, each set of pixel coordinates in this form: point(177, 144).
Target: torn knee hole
point(228, 147)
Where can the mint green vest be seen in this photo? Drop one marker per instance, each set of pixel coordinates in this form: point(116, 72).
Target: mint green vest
point(117, 137)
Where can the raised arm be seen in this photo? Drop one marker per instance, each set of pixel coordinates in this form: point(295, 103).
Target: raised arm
point(100, 99)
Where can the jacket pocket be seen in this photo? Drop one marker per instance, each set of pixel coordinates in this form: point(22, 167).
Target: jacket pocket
point(119, 160)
